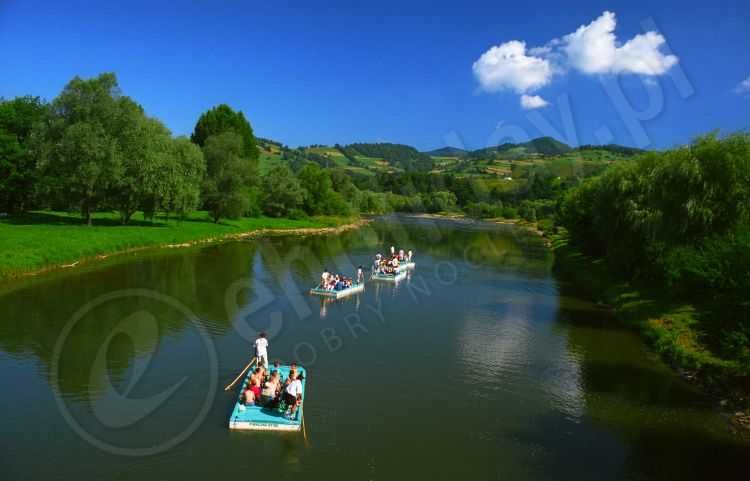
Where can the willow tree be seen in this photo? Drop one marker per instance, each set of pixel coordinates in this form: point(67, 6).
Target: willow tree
point(80, 146)
point(143, 150)
point(182, 176)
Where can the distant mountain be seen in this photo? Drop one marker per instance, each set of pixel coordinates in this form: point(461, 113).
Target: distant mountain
point(448, 152)
point(398, 155)
point(546, 146)
point(541, 146)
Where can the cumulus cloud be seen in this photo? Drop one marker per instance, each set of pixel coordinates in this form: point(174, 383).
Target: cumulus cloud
point(594, 49)
point(743, 87)
point(508, 67)
point(529, 102)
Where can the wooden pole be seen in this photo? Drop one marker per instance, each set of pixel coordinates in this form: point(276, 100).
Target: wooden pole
point(229, 386)
point(302, 420)
point(304, 430)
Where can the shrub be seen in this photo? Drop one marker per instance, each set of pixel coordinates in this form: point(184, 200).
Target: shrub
point(510, 212)
point(483, 210)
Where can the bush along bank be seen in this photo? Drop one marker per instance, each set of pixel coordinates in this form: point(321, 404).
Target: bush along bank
point(675, 329)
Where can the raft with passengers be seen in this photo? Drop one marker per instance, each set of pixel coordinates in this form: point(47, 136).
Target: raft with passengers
point(338, 286)
point(393, 268)
point(269, 399)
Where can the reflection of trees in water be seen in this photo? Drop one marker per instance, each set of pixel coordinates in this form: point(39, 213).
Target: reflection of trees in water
point(480, 243)
point(216, 270)
point(306, 257)
point(666, 428)
point(34, 317)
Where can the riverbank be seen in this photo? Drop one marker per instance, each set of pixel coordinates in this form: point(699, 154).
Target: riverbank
point(45, 241)
point(671, 328)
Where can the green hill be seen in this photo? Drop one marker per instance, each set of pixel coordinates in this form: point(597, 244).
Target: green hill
point(507, 162)
point(542, 146)
point(398, 155)
point(546, 146)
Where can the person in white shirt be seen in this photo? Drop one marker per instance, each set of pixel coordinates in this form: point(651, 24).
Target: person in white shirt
point(261, 350)
point(324, 277)
point(293, 394)
point(360, 275)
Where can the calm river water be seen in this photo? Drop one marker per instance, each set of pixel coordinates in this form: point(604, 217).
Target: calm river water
point(481, 365)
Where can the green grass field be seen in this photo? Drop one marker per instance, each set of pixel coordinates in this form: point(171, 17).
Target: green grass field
point(44, 239)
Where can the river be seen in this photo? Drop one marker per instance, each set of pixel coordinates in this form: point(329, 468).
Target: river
point(481, 365)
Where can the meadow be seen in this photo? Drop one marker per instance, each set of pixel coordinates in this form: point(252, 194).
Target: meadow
point(44, 239)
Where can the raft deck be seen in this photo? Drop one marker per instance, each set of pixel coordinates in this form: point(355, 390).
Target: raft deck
point(260, 418)
point(405, 266)
point(399, 275)
point(338, 294)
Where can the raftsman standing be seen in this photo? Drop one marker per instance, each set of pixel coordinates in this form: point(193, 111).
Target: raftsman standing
point(261, 350)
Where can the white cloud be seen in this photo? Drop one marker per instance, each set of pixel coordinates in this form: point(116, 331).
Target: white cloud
point(529, 102)
point(743, 87)
point(594, 49)
point(508, 67)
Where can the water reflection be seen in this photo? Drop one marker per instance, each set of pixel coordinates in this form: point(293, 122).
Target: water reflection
point(515, 342)
point(479, 365)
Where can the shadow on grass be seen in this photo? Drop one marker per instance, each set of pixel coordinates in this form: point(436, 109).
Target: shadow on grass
point(58, 218)
point(54, 218)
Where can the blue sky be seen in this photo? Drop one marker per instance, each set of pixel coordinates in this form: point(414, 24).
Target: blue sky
point(326, 72)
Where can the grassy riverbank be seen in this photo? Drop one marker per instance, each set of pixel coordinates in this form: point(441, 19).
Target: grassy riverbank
point(673, 328)
point(44, 240)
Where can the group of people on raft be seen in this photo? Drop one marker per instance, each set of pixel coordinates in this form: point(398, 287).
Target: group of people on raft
point(269, 388)
point(338, 282)
point(382, 265)
point(389, 265)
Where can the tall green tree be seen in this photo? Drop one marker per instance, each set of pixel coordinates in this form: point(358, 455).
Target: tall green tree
point(282, 192)
point(183, 175)
point(343, 184)
point(317, 186)
point(222, 119)
point(18, 169)
point(144, 149)
point(80, 145)
point(228, 173)
point(637, 211)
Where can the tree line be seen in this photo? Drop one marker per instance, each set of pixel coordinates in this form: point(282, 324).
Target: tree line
point(680, 221)
point(92, 148)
